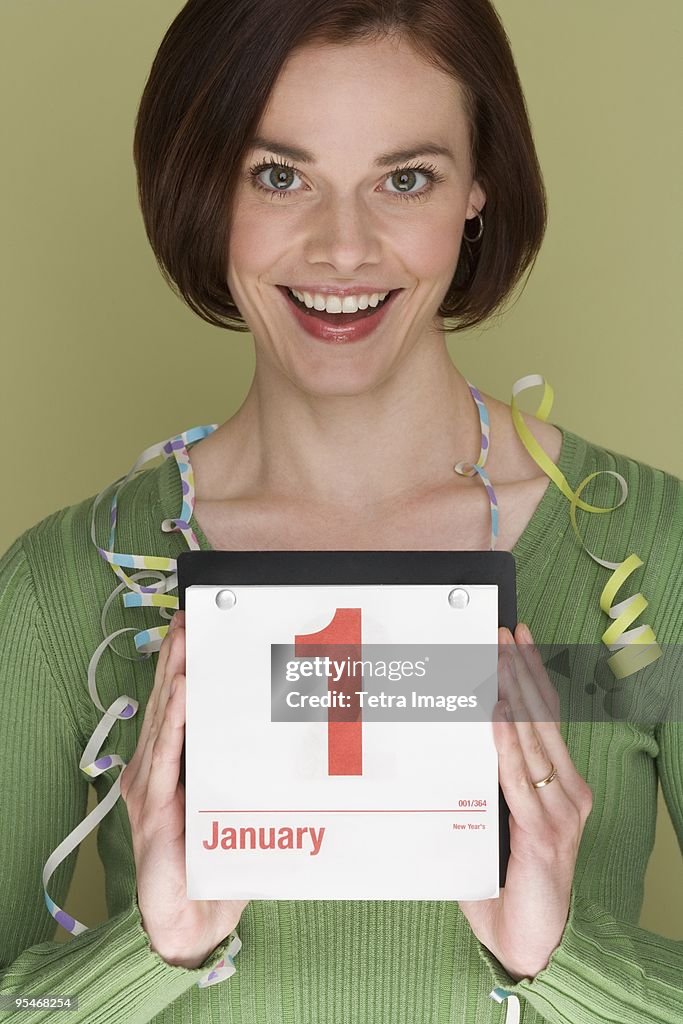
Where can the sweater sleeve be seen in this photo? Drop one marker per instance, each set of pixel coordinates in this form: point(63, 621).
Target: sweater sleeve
point(111, 968)
point(606, 969)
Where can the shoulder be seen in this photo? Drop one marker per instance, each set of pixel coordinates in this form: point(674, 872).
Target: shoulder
point(71, 581)
point(648, 523)
point(655, 495)
point(62, 548)
point(655, 499)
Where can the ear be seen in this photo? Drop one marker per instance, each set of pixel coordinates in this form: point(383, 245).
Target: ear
point(477, 199)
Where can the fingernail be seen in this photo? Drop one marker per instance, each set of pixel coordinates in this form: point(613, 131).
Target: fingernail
point(526, 633)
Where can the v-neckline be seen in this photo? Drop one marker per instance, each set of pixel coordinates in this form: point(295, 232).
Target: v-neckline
point(530, 549)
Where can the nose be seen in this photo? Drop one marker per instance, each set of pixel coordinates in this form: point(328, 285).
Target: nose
point(344, 234)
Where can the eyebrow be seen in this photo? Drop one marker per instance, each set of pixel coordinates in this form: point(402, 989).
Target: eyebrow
point(304, 157)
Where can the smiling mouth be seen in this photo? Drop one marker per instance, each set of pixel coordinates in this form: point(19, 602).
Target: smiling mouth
point(338, 319)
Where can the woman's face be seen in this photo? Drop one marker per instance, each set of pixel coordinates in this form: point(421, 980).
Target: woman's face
point(350, 214)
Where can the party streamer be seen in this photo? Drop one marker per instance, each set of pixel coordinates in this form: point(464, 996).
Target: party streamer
point(635, 648)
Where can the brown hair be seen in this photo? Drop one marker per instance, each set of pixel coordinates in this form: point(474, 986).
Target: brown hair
point(208, 87)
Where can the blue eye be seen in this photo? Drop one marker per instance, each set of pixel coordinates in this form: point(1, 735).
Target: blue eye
point(281, 175)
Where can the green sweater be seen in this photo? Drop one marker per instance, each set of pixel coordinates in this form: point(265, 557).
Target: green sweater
point(335, 962)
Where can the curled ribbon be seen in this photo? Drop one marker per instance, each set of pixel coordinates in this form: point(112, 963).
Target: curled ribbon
point(628, 659)
point(501, 995)
point(470, 468)
point(146, 641)
point(636, 648)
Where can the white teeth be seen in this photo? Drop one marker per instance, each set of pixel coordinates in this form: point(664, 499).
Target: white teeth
point(337, 304)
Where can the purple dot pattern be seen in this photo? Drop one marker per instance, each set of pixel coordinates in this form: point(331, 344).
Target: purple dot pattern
point(176, 447)
point(470, 468)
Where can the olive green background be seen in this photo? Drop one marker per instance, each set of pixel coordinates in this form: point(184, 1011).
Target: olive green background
point(100, 360)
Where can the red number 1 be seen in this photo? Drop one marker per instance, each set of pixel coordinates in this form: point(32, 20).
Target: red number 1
point(344, 725)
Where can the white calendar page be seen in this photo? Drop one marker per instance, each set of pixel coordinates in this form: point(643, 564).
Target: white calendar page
point(402, 808)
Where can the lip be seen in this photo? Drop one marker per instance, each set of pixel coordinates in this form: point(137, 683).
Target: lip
point(345, 333)
point(331, 289)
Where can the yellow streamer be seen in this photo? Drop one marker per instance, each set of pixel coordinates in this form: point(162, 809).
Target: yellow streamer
point(635, 648)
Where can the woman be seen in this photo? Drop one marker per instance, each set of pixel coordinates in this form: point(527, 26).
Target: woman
point(292, 158)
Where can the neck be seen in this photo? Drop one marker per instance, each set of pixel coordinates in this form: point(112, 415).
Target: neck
point(360, 452)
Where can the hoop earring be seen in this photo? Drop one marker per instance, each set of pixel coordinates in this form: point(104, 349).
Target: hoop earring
point(481, 229)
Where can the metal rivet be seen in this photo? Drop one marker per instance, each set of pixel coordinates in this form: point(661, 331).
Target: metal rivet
point(226, 599)
point(458, 598)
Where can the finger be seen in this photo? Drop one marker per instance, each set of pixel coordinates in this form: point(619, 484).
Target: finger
point(528, 678)
point(167, 646)
point(542, 742)
point(529, 705)
point(159, 675)
point(174, 665)
point(538, 763)
point(134, 774)
point(525, 643)
point(525, 807)
point(164, 774)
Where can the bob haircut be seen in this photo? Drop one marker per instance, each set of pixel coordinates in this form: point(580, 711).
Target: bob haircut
point(209, 85)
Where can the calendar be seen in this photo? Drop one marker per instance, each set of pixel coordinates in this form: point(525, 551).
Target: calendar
point(338, 724)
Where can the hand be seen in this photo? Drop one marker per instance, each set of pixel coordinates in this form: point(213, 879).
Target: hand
point(523, 926)
point(183, 932)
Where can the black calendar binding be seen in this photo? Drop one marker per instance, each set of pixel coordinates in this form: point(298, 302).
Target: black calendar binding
point(349, 568)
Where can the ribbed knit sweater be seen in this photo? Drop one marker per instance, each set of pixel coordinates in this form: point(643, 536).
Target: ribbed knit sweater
point(330, 962)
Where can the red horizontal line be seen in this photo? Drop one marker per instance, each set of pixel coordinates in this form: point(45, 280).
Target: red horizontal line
point(354, 810)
